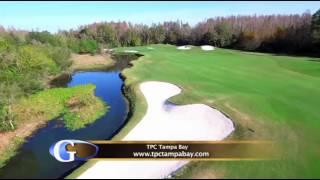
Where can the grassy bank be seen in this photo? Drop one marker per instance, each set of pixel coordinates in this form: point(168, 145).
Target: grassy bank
point(77, 105)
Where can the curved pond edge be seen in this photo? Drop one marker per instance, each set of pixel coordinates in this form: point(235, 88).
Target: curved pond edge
point(129, 96)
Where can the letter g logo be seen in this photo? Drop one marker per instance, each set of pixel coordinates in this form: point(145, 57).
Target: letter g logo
point(71, 150)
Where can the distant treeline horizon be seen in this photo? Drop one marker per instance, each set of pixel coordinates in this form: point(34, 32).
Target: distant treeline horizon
point(292, 34)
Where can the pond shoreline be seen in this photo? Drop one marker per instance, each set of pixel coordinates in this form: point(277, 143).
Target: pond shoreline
point(16, 138)
point(129, 101)
point(129, 94)
point(16, 145)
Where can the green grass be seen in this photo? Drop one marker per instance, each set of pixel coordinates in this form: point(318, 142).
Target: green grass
point(78, 106)
point(10, 151)
point(267, 96)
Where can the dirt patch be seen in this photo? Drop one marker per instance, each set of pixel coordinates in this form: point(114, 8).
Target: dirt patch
point(246, 127)
point(199, 170)
point(84, 61)
point(23, 131)
point(207, 174)
point(241, 115)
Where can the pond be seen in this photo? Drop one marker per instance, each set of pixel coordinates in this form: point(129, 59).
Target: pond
point(33, 159)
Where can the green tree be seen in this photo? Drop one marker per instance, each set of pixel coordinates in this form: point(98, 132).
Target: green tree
point(210, 37)
point(73, 44)
point(88, 46)
point(106, 34)
point(4, 45)
point(43, 37)
point(145, 35)
point(9, 93)
point(224, 34)
point(60, 55)
point(315, 27)
point(134, 38)
point(34, 58)
point(158, 34)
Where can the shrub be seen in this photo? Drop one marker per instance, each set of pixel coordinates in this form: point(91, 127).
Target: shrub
point(61, 57)
point(88, 46)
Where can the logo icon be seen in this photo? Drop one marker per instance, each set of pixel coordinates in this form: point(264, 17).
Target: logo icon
point(70, 150)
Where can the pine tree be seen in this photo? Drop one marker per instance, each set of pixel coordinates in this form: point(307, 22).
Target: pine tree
point(315, 27)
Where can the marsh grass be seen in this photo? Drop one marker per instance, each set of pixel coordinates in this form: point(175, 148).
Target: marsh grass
point(78, 107)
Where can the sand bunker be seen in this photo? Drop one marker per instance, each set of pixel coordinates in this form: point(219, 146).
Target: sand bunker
point(207, 48)
point(184, 47)
point(194, 121)
point(131, 51)
point(107, 50)
point(164, 121)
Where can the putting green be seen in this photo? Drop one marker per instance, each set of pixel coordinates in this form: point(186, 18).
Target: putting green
point(268, 97)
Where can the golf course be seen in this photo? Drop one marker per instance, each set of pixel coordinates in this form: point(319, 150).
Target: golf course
point(160, 90)
point(268, 97)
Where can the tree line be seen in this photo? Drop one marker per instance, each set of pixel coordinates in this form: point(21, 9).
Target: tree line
point(297, 33)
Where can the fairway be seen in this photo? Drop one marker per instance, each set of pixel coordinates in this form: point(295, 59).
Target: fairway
point(268, 97)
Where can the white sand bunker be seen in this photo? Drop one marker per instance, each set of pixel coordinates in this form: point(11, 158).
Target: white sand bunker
point(164, 121)
point(207, 48)
point(184, 47)
point(107, 50)
point(187, 122)
point(131, 51)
